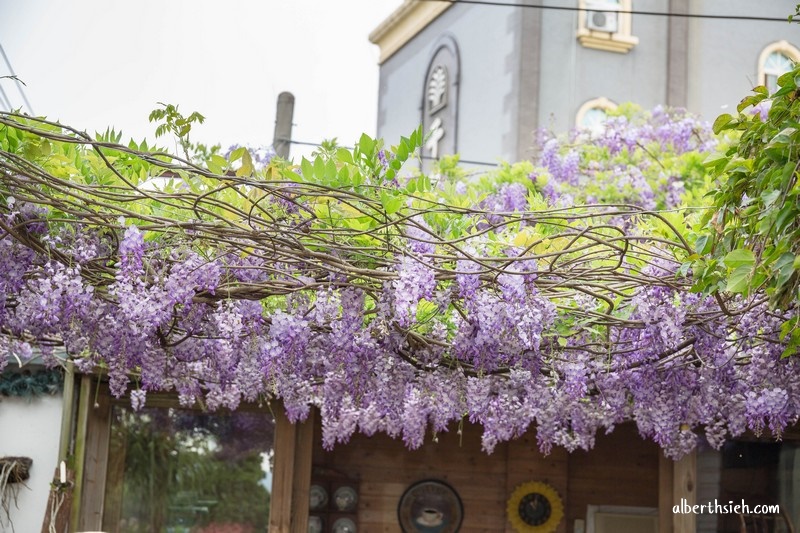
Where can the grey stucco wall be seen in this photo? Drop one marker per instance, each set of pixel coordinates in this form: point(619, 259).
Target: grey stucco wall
point(522, 68)
point(487, 41)
point(723, 54)
point(571, 74)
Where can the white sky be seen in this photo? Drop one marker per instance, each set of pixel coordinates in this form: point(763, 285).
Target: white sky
point(98, 63)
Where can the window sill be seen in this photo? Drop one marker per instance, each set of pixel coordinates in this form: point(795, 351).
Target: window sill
point(610, 42)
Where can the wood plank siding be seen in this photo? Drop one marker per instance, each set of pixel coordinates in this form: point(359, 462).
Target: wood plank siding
point(622, 470)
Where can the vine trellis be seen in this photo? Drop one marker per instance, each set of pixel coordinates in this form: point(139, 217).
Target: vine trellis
point(393, 304)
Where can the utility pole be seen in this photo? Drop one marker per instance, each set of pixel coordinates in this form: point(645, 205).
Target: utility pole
point(283, 124)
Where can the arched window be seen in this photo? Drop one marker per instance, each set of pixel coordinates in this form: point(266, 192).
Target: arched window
point(775, 60)
point(592, 114)
point(440, 100)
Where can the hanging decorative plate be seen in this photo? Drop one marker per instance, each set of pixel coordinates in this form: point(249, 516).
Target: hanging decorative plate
point(535, 507)
point(317, 498)
point(344, 525)
point(345, 498)
point(430, 506)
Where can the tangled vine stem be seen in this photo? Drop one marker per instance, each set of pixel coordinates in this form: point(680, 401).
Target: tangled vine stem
point(149, 265)
point(601, 260)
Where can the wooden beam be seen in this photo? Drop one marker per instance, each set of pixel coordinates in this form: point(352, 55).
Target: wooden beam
point(684, 487)
point(280, 511)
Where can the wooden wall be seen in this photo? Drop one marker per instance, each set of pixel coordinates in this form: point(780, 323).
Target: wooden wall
point(621, 470)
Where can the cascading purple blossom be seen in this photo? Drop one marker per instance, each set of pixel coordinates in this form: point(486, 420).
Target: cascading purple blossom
point(483, 318)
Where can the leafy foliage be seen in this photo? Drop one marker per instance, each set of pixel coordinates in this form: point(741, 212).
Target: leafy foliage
point(753, 233)
point(29, 384)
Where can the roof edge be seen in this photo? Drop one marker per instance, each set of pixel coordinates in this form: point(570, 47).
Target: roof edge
point(404, 24)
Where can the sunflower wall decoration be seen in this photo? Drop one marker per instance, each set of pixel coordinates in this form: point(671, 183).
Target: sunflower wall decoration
point(535, 507)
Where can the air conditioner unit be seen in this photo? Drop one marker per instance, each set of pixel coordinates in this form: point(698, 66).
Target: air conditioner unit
point(602, 16)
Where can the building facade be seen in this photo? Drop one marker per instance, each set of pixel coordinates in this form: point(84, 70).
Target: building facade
point(483, 78)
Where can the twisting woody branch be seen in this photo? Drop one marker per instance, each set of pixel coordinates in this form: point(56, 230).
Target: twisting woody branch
point(558, 295)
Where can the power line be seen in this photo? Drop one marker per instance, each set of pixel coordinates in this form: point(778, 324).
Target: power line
point(467, 161)
point(4, 100)
point(14, 77)
point(632, 12)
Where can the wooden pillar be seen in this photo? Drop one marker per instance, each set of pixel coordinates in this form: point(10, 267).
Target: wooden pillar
point(292, 475)
point(684, 487)
point(665, 484)
point(280, 511)
point(302, 474)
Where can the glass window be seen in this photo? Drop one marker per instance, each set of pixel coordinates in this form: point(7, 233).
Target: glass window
point(173, 470)
point(593, 119)
point(775, 60)
point(592, 115)
point(750, 473)
point(777, 63)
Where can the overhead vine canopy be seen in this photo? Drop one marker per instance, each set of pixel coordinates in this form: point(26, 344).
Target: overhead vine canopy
point(560, 295)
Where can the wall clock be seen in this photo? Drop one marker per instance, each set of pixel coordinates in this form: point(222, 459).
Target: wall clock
point(535, 507)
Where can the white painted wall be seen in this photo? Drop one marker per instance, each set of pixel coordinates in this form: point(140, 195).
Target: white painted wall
point(30, 428)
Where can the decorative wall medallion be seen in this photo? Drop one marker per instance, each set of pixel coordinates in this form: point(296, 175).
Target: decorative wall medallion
point(535, 507)
point(434, 136)
point(439, 101)
point(437, 89)
point(430, 506)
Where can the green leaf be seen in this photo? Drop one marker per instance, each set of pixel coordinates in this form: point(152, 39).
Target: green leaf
point(330, 171)
point(402, 152)
point(740, 258)
point(366, 145)
point(247, 168)
point(217, 164)
point(738, 280)
point(722, 121)
point(319, 168)
point(343, 178)
point(770, 197)
point(237, 154)
point(701, 244)
point(784, 266)
point(391, 203)
point(344, 155)
point(307, 169)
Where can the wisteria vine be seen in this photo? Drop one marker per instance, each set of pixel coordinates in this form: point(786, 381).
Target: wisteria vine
point(552, 295)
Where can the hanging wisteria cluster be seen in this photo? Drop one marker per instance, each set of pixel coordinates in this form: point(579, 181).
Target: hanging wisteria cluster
point(552, 296)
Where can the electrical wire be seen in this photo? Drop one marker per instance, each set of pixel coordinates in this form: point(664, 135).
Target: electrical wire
point(632, 12)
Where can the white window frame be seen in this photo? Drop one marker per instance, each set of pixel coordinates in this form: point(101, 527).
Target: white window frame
point(781, 47)
point(602, 103)
point(620, 41)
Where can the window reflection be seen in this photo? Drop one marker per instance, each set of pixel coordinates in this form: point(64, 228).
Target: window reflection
point(754, 473)
point(177, 470)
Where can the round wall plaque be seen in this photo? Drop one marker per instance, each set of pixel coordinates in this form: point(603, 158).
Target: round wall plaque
point(430, 506)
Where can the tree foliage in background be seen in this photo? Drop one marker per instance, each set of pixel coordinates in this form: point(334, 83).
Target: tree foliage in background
point(568, 294)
